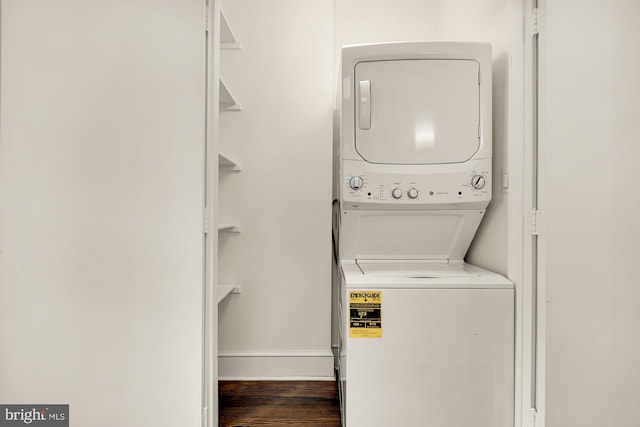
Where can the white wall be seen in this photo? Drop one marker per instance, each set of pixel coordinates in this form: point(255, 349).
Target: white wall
point(280, 324)
point(101, 185)
point(284, 78)
point(590, 200)
point(369, 21)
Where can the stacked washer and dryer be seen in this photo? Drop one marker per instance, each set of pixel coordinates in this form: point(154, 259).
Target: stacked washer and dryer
point(421, 338)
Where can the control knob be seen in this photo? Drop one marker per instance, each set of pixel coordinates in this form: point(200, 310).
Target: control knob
point(396, 193)
point(478, 182)
point(356, 182)
point(412, 193)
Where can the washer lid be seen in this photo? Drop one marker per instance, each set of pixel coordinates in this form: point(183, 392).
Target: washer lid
point(417, 269)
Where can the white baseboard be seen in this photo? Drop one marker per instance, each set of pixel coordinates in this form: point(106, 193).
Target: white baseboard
point(317, 365)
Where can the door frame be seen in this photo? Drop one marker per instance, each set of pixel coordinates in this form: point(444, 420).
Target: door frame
point(210, 215)
point(525, 259)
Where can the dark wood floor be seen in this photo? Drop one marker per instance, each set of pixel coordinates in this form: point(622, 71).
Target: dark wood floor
point(278, 403)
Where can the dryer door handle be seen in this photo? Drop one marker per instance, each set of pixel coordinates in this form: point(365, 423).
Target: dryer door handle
point(364, 99)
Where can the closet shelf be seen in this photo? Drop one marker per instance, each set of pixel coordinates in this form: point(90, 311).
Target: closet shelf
point(225, 289)
point(228, 164)
point(229, 228)
point(227, 39)
point(227, 102)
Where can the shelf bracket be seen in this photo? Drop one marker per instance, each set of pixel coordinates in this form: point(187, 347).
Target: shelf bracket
point(229, 228)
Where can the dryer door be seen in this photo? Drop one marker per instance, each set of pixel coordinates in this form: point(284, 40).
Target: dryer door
point(417, 111)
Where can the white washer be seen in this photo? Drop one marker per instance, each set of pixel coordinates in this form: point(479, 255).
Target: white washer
point(441, 353)
point(420, 337)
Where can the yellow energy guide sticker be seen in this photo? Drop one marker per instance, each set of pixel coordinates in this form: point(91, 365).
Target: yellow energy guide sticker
point(365, 314)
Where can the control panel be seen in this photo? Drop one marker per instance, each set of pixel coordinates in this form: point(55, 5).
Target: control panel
point(418, 189)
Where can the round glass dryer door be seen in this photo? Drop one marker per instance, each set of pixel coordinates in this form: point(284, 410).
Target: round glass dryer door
point(424, 111)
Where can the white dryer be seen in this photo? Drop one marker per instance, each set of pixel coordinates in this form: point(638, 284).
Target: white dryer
point(421, 337)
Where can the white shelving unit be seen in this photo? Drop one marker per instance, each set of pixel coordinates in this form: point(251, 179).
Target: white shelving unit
point(225, 163)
